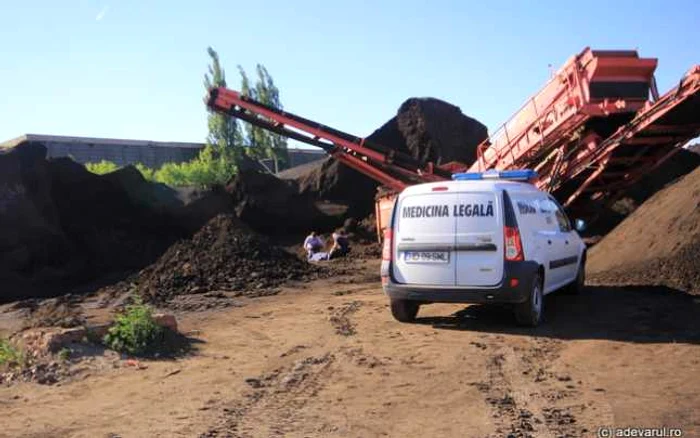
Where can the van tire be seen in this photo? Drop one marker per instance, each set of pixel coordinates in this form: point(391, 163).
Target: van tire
point(579, 283)
point(529, 312)
point(404, 310)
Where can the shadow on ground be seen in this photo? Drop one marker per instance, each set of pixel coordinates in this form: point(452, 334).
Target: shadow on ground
point(643, 314)
point(172, 346)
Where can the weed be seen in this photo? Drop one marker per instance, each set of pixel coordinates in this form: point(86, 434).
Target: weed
point(64, 354)
point(10, 355)
point(134, 331)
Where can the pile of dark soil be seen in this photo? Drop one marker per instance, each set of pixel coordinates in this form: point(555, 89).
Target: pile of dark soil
point(274, 206)
point(427, 129)
point(330, 180)
point(152, 195)
point(658, 244)
point(224, 256)
point(61, 225)
point(105, 227)
point(437, 131)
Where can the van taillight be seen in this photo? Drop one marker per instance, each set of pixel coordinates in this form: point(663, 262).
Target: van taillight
point(513, 245)
point(386, 249)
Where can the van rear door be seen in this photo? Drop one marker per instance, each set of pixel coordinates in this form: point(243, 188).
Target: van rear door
point(479, 239)
point(424, 236)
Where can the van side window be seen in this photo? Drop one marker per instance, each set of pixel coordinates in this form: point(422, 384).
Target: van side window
point(546, 206)
point(562, 219)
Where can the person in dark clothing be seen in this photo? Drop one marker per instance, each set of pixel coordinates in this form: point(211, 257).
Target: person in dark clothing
point(341, 244)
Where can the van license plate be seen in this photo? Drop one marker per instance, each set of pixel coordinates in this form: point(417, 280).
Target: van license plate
point(427, 257)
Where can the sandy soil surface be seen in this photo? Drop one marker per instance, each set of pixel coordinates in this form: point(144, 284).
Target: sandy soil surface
point(327, 359)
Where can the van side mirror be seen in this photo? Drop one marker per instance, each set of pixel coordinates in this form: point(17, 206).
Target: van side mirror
point(580, 225)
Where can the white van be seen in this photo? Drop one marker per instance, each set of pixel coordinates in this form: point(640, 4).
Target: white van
point(481, 238)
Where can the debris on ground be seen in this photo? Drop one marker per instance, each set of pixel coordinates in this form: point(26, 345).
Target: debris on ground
point(62, 312)
point(51, 354)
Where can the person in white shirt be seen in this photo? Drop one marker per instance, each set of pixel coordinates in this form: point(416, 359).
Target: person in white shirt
point(312, 244)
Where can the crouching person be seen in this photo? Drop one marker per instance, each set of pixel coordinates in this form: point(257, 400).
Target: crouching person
point(341, 244)
point(312, 244)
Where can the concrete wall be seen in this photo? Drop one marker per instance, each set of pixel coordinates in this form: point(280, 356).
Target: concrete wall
point(123, 152)
point(151, 156)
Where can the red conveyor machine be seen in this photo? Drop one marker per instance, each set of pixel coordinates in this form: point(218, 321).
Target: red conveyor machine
point(594, 129)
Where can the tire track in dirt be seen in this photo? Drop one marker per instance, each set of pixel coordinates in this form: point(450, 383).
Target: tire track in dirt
point(528, 399)
point(272, 406)
point(340, 319)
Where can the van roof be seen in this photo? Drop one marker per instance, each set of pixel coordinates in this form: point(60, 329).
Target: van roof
point(481, 185)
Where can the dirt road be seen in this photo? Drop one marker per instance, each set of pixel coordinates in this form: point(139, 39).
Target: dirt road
point(327, 359)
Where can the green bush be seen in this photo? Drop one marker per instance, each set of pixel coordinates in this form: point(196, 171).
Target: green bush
point(147, 173)
point(212, 166)
point(134, 331)
point(102, 167)
point(9, 354)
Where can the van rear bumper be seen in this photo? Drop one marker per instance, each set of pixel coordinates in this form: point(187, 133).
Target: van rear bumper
point(524, 272)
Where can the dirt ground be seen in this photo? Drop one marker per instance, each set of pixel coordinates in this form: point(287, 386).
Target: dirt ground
point(326, 359)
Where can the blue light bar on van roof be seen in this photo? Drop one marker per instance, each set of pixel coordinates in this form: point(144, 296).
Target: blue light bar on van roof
point(515, 175)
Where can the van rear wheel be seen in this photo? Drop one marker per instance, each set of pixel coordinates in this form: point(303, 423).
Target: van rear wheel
point(529, 312)
point(404, 310)
point(579, 284)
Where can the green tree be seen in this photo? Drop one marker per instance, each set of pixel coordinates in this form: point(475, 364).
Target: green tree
point(217, 162)
point(223, 130)
point(261, 143)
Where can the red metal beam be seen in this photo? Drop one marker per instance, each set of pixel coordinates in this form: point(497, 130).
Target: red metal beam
point(635, 141)
point(378, 165)
point(227, 99)
point(586, 183)
point(673, 129)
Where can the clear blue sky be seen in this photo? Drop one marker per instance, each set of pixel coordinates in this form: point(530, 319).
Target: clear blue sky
point(133, 69)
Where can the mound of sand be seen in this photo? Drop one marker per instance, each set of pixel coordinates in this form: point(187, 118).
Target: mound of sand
point(658, 244)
